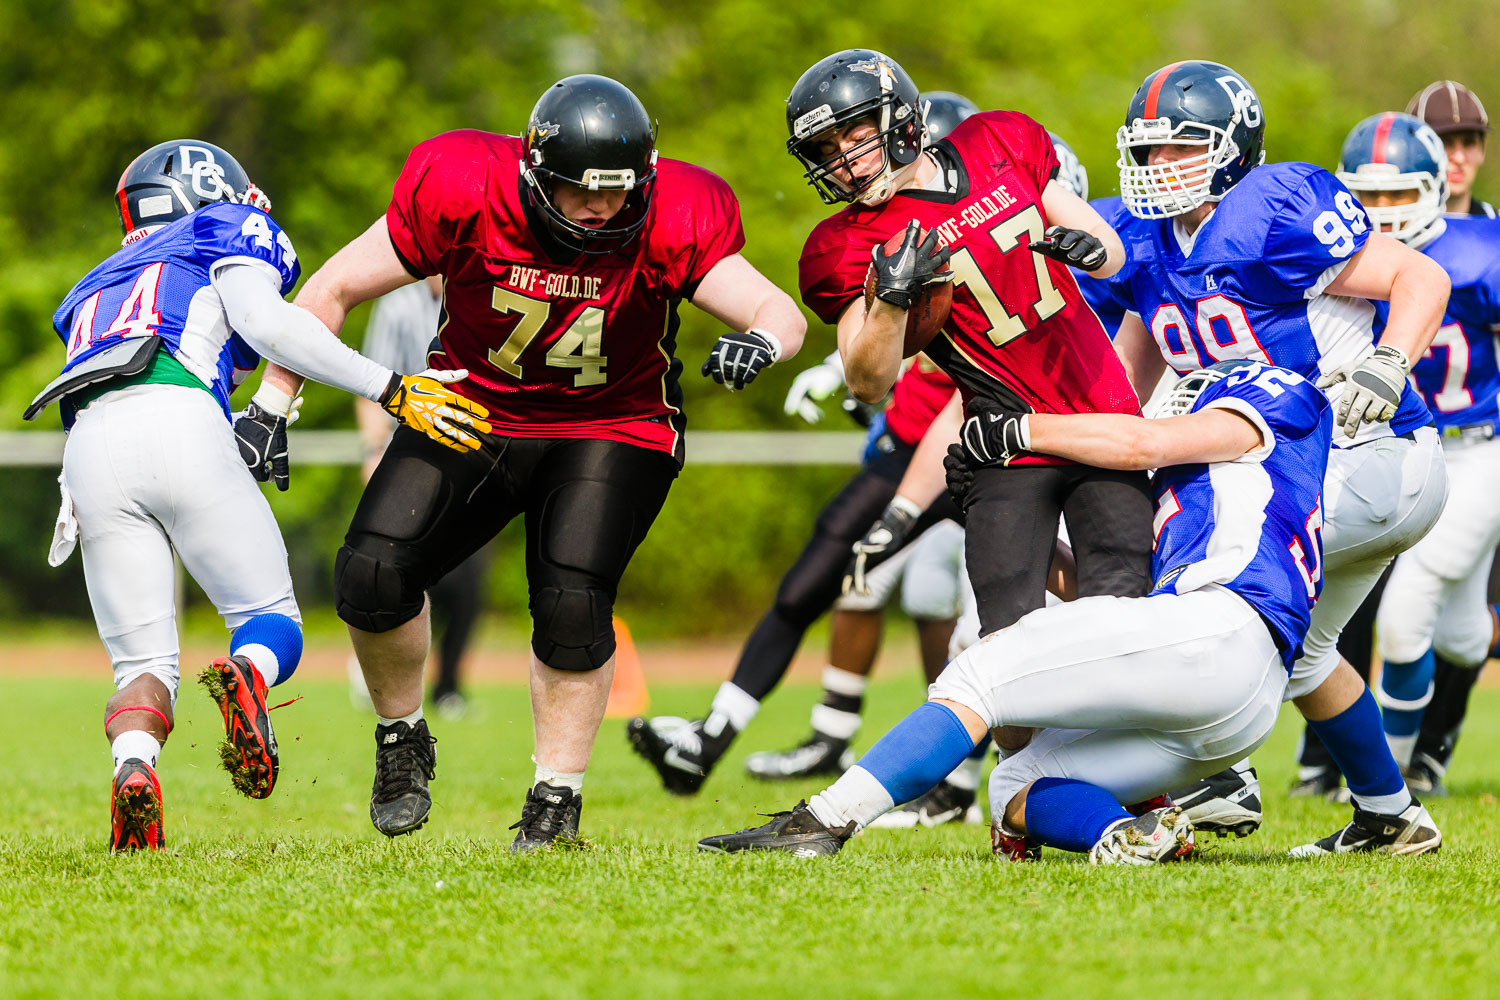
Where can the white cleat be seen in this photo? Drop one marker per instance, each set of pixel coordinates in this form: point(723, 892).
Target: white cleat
point(1412, 832)
point(1152, 838)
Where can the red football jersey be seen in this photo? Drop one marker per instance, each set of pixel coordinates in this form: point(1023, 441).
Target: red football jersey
point(1020, 330)
point(919, 394)
point(580, 347)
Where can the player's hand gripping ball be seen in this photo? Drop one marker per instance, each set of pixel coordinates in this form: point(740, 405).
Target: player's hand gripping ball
point(911, 272)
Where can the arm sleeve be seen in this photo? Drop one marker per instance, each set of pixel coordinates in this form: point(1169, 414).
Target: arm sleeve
point(1314, 231)
point(290, 336)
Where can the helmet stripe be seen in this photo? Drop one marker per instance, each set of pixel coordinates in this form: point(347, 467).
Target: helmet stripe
point(1382, 137)
point(1155, 91)
point(125, 209)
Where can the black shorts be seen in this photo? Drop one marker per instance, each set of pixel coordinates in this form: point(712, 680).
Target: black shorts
point(587, 506)
point(1012, 529)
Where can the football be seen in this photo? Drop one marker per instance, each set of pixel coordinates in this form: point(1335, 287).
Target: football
point(929, 310)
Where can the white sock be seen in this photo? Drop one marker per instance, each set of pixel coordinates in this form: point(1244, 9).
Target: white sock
point(1402, 747)
point(265, 661)
point(856, 797)
point(1393, 804)
point(135, 744)
point(966, 774)
point(410, 720)
point(566, 779)
point(735, 705)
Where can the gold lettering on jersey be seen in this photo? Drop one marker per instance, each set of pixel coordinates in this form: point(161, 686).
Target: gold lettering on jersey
point(986, 207)
point(534, 281)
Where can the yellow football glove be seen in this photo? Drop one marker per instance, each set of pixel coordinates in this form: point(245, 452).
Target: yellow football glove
point(424, 403)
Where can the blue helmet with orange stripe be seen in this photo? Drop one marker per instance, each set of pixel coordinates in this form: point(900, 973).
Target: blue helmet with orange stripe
point(1188, 105)
point(1395, 165)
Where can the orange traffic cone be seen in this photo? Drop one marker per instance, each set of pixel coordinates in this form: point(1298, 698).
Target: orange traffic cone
point(628, 696)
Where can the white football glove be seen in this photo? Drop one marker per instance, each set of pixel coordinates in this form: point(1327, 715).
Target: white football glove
point(814, 385)
point(1374, 389)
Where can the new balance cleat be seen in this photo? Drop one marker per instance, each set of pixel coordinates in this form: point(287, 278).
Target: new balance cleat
point(798, 833)
point(1151, 838)
point(1009, 847)
point(682, 752)
point(947, 803)
point(135, 809)
point(248, 750)
point(819, 754)
point(1317, 783)
point(550, 815)
point(1223, 803)
point(405, 761)
point(1412, 832)
point(1424, 776)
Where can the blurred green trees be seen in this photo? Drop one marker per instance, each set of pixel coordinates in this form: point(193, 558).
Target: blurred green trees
point(322, 101)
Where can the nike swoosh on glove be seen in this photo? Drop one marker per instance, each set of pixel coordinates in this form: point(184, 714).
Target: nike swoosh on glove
point(901, 275)
point(424, 403)
point(1374, 389)
point(260, 433)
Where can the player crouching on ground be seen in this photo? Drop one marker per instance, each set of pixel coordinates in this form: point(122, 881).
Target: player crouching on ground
point(1241, 452)
point(157, 337)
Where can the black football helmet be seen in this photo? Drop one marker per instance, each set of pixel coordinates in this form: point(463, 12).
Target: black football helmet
point(591, 131)
point(1192, 103)
point(942, 110)
point(839, 90)
point(176, 178)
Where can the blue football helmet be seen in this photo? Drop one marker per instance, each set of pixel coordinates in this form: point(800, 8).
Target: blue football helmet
point(176, 178)
point(1191, 103)
point(1399, 154)
point(1071, 174)
point(942, 110)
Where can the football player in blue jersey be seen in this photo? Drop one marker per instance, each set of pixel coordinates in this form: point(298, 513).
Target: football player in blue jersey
point(1436, 629)
point(1229, 258)
point(157, 337)
point(1241, 450)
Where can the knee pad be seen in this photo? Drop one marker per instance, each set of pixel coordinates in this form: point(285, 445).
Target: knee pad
point(572, 628)
point(371, 595)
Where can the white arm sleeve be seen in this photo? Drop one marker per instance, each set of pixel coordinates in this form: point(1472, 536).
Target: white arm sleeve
point(290, 336)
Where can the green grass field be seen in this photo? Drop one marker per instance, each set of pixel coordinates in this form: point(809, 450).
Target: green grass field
point(298, 896)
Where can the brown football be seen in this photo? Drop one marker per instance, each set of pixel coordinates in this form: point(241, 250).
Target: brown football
point(929, 310)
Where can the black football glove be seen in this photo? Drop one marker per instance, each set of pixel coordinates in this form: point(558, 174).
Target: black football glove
point(1072, 247)
point(903, 274)
point(960, 475)
point(261, 436)
point(993, 435)
point(738, 357)
point(883, 540)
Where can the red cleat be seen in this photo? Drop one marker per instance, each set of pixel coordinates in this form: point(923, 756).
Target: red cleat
point(1008, 847)
point(135, 809)
point(1162, 801)
point(249, 747)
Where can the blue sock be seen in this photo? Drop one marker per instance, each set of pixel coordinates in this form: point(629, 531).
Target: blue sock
point(272, 642)
point(919, 752)
point(1072, 815)
point(1405, 690)
point(1357, 743)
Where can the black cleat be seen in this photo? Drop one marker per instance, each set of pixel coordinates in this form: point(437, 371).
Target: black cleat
point(819, 754)
point(549, 816)
point(798, 833)
point(947, 803)
point(405, 761)
point(682, 752)
point(1424, 776)
point(1223, 803)
point(1412, 832)
point(1318, 783)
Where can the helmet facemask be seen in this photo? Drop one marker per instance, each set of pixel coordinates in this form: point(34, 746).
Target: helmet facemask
point(1413, 222)
point(1163, 190)
point(587, 239)
point(895, 123)
point(1185, 392)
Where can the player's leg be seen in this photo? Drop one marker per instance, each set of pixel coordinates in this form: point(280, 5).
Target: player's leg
point(425, 509)
point(589, 505)
point(457, 600)
point(1464, 639)
point(1109, 519)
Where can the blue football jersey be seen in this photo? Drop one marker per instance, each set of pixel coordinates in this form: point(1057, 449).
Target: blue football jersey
point(159, 286)
point(1253, 525)
point(1098, 293)
point(1248, 284)
point(1457, 376)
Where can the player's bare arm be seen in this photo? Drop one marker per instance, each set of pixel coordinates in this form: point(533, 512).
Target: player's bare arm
point(1139, 355)
point(1066, 209)
point(746, 301)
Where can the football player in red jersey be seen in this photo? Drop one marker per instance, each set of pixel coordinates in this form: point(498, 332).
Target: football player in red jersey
point(1019, 330)
point(564, 254)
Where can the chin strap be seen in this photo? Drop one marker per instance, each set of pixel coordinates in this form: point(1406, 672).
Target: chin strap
point(139, 708)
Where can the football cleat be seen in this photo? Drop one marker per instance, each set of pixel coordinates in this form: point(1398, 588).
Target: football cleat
point(135, 810)
point(1411, 832)
point(248, 751)
point(1424, 776)
point(1317, 783)
point(1223, 803)
point(1151, 838)
point(405, 761)
point(681, 751)
point(798, 833)
point(1009, 847)
point(550, 815)
point(947, 803)
point(819, 754)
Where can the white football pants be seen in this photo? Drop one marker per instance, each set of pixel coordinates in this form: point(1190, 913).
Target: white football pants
point(154, 468)
point(927, 570)
point(1379, 499)
point(1138, 695)
point(1437, 593)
